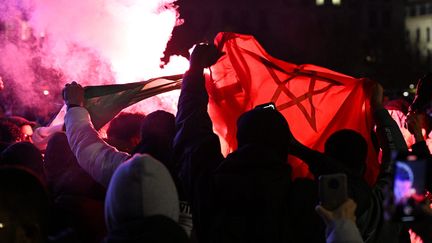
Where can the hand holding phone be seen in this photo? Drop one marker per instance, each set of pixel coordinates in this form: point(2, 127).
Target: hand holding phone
point(411, 180)
point(332, 190)
point(344, 211)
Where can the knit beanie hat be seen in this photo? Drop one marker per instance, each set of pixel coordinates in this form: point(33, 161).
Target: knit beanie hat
point(140, 187)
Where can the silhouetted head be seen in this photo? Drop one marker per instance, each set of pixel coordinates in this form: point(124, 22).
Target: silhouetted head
point(265, 127)
point(26, 127)
point(64, 174)
point(24, 206)
point(124, 131)
point(24, 154)
point(423, 94)
point(9, 131)
point(349, 148)
point(157, 134)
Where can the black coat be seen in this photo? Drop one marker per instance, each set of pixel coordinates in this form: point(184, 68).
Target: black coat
point(242, 198)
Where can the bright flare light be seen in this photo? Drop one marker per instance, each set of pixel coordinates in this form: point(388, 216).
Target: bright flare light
point(91, 41)
point(131, 35)
point(142, 39)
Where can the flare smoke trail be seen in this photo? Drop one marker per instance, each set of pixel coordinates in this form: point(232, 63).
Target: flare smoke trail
point(47, 43)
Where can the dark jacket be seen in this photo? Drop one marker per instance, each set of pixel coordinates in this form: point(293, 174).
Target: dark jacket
point(196, 151)
point(251, 196)
point(370, 209)
point(242, 198)
point(155, 229)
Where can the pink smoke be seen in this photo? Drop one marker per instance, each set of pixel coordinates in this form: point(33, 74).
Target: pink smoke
point(47, 43)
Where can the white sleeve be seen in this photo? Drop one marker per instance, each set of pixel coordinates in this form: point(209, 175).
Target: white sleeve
point(94, 155)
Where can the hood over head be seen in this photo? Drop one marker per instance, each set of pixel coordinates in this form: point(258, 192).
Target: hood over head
point(265, 127)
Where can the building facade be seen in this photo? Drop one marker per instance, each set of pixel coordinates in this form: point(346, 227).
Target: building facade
point(418, 24)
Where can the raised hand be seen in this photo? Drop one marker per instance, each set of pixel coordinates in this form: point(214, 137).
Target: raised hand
point(204, 56)
point(73, 94)
point(413, 122)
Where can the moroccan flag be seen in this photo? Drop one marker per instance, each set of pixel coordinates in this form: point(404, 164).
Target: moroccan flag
point(315, 101)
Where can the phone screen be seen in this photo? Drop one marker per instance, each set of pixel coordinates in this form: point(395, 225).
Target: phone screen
point(409, 186)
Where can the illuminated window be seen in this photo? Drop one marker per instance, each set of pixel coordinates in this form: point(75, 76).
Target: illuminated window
point(336, 2)
point(319, 2)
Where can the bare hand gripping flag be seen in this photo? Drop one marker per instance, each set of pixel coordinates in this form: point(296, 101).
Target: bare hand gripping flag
point(315, 101)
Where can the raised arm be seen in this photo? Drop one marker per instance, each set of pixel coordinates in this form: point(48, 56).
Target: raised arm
point(319, 163)
point(196, 147)
point(95, 156)
point(388, 132)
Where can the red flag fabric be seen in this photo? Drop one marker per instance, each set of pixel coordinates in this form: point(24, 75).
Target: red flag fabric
point(315, 101)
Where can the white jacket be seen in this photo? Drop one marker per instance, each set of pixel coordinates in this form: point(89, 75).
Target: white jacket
point(94, 155)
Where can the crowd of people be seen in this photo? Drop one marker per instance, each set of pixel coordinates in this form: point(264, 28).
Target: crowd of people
point(162, 177)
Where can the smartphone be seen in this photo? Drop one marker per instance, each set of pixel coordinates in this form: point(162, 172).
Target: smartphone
point(332, 190)
point(410, 185)
point(269, 105)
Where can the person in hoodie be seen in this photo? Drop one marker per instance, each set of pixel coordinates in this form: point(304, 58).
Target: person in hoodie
point(241, 198)
point(142, 204)
point(100, 160)
point(346, 152)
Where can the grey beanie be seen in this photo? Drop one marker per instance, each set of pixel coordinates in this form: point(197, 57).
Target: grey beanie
point(140, 187)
